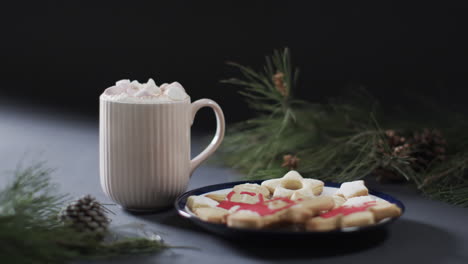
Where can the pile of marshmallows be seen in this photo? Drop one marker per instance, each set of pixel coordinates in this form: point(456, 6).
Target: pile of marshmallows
point(149, 90)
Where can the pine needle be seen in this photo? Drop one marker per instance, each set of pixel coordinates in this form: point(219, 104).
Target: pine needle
point(338, 141)
point(30, 231)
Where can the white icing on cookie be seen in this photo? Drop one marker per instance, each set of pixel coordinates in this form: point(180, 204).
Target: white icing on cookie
point(352, 189)
point(358, 201)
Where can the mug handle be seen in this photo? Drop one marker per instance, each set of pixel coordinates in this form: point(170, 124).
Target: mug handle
point(219, 135)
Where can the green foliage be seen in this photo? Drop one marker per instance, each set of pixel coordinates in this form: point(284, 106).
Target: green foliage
point(341, 140)
point(30, 231)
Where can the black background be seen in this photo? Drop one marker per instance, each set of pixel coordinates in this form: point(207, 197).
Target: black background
point(63, 54)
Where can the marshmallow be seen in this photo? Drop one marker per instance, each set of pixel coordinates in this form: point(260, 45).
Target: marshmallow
point(121, 82)
point(175, 91)
point(136, 92)
point(142, 92)
point(133, 88)
point(151, 88)
point(150, 83)
point(163, 86)
point(114, 90)
point(148, 89)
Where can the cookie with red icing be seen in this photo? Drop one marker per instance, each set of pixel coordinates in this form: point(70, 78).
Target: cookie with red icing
point(212, 214)
point(305, 209)
point(323, 224)
point(354, 213)
point(339, 201)
point(258, 212)
point(249, 193)
point(245, 219)
point(260, 215)
point(259, 206)
point(252, 188)
point(196, 201)
point(218, 197)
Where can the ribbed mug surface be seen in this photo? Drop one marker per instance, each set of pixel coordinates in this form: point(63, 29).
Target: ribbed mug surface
point(144, 152)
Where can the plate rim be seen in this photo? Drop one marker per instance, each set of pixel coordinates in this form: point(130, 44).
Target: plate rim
point(181, 201)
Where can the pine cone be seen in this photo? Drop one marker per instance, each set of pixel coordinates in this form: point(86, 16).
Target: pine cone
point(429, 146)
point(395, 145)
point(421, 148)
point(280, 84)
point(86, 215)
point(291, 162)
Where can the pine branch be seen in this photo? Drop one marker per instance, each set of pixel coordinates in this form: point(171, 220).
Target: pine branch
point(341, 140)
point(30, 231)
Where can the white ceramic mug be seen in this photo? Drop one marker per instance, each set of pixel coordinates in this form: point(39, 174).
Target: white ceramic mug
point(145, 150)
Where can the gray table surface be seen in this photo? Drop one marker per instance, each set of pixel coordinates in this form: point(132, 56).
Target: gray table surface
point(429, 231)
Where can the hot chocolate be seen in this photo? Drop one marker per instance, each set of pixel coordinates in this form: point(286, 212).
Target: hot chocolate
point(145, 142)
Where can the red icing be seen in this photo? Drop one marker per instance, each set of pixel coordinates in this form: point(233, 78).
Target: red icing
point(261, 207)
point(249, 193)
point(346, 210)
point(229, 196)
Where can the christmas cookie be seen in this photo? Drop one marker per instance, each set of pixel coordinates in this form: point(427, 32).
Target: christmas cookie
point(339, 201)
point(380, 208)
point(302, 194)
point(245, 219)
point(196, 201)
point(384, 209)
point(352, 189)
point(358, 201)
point(252, 188)
point(249, 193)
point(359, 212)
point(293, 200)
point(254, 219)
point(358, 219)
point(246, 197)
point(306, 209)
point(322, 224)
point(211, 214)
point(264, 212)
point(294, 186)
point(215, 196)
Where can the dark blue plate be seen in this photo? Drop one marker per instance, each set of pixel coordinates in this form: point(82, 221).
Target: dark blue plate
point(223, 230)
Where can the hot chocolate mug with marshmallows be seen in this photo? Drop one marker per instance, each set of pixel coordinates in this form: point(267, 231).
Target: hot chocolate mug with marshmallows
point(145, 149)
